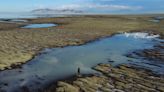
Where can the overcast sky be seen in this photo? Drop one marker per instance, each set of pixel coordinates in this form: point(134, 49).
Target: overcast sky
point(93, 6)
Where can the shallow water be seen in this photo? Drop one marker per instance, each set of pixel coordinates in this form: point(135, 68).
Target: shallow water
point(45, 25)
point(58, 63)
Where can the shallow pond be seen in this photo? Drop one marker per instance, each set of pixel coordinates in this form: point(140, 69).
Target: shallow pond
point(58, 63)
point(45, 25)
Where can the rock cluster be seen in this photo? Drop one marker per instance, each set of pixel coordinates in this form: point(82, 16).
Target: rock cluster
point(157, 53)
point(120, 79)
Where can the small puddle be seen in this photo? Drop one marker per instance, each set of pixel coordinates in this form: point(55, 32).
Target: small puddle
point(45, 25)
point(57, 63)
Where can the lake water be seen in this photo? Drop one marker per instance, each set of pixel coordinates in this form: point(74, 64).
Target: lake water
point(58, 63)
point(45, 25)
point(4, 15)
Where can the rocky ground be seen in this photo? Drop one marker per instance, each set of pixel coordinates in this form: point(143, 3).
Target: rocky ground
point(155, 54)
point(18, 45)
point(124, 78)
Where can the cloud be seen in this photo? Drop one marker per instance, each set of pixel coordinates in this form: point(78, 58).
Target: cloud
point(110, 7)
point(71, 6)
point(114, 7)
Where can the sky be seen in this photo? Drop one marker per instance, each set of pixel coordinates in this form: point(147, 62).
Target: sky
point(90, 6)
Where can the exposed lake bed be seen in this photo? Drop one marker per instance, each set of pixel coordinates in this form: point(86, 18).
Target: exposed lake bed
point(109, 50)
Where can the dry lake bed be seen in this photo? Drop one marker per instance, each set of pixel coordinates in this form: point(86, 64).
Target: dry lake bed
point(82, 53)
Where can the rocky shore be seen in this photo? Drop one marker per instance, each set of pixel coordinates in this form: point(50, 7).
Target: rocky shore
point(155, 54)
point(123, 78)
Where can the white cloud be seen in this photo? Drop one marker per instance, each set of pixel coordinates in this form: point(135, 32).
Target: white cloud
point(114, 7)
point(70, 6)
point(100, 6)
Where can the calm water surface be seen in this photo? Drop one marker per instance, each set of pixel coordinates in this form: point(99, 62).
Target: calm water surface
point(45, 25)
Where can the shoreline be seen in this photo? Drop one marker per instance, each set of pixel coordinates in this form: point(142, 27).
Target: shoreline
point(18, 65)
point(69, 83)
point(39, 52)
point(70, 80)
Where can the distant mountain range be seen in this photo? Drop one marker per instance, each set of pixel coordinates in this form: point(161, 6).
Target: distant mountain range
point(49, 11)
